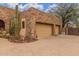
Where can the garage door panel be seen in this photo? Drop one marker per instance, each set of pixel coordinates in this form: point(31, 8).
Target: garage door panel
point(43, 30)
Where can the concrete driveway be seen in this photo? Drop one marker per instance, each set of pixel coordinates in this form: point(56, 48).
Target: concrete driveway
point(52, 46)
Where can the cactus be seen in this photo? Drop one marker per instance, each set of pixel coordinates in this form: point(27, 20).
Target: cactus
point(12, 27)
point(15, 24)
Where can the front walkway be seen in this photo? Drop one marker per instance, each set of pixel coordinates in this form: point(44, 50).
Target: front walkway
point(60, 45)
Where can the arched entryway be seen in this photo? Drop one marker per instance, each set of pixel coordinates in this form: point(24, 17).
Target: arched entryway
point(2, 25)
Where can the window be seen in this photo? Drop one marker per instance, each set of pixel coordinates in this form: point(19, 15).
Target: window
point(23, 25)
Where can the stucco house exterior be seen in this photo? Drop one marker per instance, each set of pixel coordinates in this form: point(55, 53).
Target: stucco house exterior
point(42, 24)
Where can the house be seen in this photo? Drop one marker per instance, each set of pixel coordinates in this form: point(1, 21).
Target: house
point(42, 24)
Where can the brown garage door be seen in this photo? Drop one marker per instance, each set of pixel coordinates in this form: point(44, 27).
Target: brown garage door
point(57, 30)
point(43, 30)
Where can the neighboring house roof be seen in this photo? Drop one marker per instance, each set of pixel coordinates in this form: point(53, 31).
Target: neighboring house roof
point(41, 16)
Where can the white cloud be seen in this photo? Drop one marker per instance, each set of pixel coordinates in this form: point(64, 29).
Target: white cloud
point(35, 5)
point(12, 5)
point(23, 7)
point(28, 5)
point(9, 5)
point(51, 6)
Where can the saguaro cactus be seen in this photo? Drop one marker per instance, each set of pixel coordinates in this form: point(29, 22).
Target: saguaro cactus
point(15, 24)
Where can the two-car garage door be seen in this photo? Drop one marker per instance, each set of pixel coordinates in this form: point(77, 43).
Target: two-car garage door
point(43, 30)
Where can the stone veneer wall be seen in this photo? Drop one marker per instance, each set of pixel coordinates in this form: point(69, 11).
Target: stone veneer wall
point(6, 15)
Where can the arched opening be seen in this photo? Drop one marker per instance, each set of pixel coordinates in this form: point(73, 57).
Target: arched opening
point(2, 25)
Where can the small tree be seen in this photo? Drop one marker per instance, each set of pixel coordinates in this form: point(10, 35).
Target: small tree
point(67, 11)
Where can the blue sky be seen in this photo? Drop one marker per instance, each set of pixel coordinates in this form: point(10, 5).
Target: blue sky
point(25, 6)
point(45, 5)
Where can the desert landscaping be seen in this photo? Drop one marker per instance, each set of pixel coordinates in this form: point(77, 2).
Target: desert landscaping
point(53, 46)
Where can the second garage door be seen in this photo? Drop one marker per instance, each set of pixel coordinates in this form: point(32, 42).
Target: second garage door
point(43, 30)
